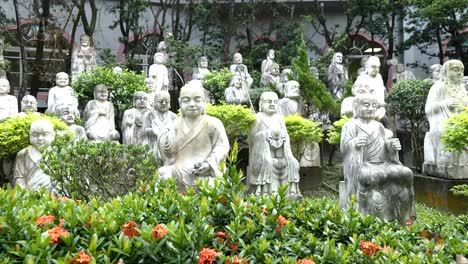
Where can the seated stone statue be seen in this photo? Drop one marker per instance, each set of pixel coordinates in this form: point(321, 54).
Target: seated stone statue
point(271, 162)
point(8, 103)
point(27, 173)
point(359, 87)
point(446, 97)
point(158, 71)
point(434, 72)
point(240, 69)
point(62, 93)
point(202, 70)
point(337, 76)
point(99, 116)
point(291, 104)
point(195, 144)
point(155, 121)
point(28, 105)
point(66, 113)
point(132, 121)
point(236, 93)
point(273, 76)
point(373, 173)
point(402, 74)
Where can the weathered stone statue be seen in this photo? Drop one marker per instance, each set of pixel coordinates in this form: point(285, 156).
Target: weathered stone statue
point(62, 93)
point(202, 70)
point(99, 116)
point(132, 121)
point(66, 114)
point(240, 69)
point(8, 103)
point(27, 173)
point(373, 79)
point(271, 162)
point(195, 144)
point(236, 93)
point(273, 77)
point(337, 76)
point(446, 97)
point(158, 71)
point(28, 105)
point(402, 74)
point(359, 87)
point(291, 104)
point(151, 86)
point(434, 72)
point(2, 46)
point(266, 64)
point(363, 65)
point(315, 72)
point(83, 57)
point(284, 78)
point(155, 121)
point(373, 174)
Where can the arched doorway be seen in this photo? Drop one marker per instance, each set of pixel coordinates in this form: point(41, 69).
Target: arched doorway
point(364, 46)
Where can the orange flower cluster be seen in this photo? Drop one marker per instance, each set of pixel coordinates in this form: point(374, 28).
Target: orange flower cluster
point(221, 236)
point(369, 248)
point(305, 261)
point(55, 234)
point(81, 258)
point(237, 260)
point(281, 222)
point(159, 231)
point(45, 219)
point(207, 255)
point(129, 229)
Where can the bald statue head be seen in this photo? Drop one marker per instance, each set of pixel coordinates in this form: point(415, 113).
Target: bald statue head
point(162, 101)
point(28, 104)
point(269, 103)
point(61, 79)
point(140, 100)
point(365, 105)
point(4, 86)
point(291, 89)
point(373, 66)
point(41, 133)
point(65, 113)
point(452, 72)
point(192, 101)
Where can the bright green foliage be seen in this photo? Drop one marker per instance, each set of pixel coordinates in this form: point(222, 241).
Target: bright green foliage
point(460, 190)
point(121, 86)
point(455, 135)
point(237, 119)
point(14, 132)
point(103, 170)
point(216, 82)
point(301, 132)
point(312, 89)
point(316, 228)
point(334, 135)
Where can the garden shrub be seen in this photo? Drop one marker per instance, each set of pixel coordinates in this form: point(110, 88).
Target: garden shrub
point(216, 82)
point(334, 134)
point(301, 133)
point(14, 132)
point(456, 131)
point(104, 169)
point(461, 189)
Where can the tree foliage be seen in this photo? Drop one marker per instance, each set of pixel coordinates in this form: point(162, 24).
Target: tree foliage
point(334, 135)
point(302, 132)
point(216, 82)
point(456, 131)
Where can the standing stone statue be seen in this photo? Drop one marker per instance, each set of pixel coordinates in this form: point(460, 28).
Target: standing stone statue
point(158, 71)
point(434, 72)
point(83, 57)
point(402, 74)
point(27, 173)
point(373, 174)
point(99, 116)
point(66, 113)
point(446, 98)
point(62, 93)
point(363, 65)
point(236, 93)
point(291, 104)
point(271, 162)
point(240, 69)
point(195, 144)
point(155, 121)
point(266, 64)
point(28, 105)
point(151, 86)
point(373, 79)
point(337, 76)
point(202, 70)
point(8, 103)
point(132, 121)
point(273, 77)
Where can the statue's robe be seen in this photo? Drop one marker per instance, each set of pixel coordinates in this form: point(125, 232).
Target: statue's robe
point(83, 60)
point(153, 123)
point(337, 77)
point(160, 74)
point(132, 126)
point(62, 95)
point(182, 147)
point(99, 127)
point(234, 95)
point(287, 107)
point(27, 173)
point(242, 71)
point(199, 73)
point(8, 106)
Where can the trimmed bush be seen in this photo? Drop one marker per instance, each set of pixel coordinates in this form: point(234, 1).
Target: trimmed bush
point(456, 131)
point(302, 132)
point(334, 135)
point(216, 82)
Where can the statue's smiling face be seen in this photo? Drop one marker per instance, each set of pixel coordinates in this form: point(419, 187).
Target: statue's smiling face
point(41, 135)
point(4, 86)
point(141, 100)
point(62, 80)
point(192, 102)
point(101, 93)
point(67, 117)
point(28, 104)
point(162, 102)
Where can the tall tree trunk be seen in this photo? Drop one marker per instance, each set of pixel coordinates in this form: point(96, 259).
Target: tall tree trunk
point(228, 32)
point(19, 35)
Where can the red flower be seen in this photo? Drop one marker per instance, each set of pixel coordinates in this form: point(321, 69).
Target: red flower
point(369, 248)
point(81, 258)
point(237, 260)
point(45, 219)
point(281, 222)
point(234, 247)
point(129, 229)
point(207, 255)
point(159, 231)
point(305, 261)
point(55, 234)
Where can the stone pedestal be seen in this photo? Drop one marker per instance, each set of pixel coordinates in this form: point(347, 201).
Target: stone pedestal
point(435, 192)
point(311, 178)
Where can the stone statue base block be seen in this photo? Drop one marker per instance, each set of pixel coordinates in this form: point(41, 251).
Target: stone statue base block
point(450, 172)
point(311, 178)
point(436, 193)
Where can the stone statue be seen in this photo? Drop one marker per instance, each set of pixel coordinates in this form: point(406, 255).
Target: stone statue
point(2, 46)
point(28, 105)
point(195, 144)
point(315, 72)
point(273, 77)
point(117, 70)
point(271, 162)
point(373, 79)
point(446, 97)
point(199, 84)
point(83, 57)
point(66, 113)
point(132, 121)
point(337, 76)
point(363, 65)
point(434, 72)
point(240, 69)
point(359, 87)
point(291, 104)
point(372, 171)
point(99, 116)
point(158, 71)
point(8, 103)
point(236, 93)
point(202, 70)
point(155, 121)
point(284, 78)
point(27, 173)
point(62, 93)
point(402, 74)
point(151, 86)
point(266, 65)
